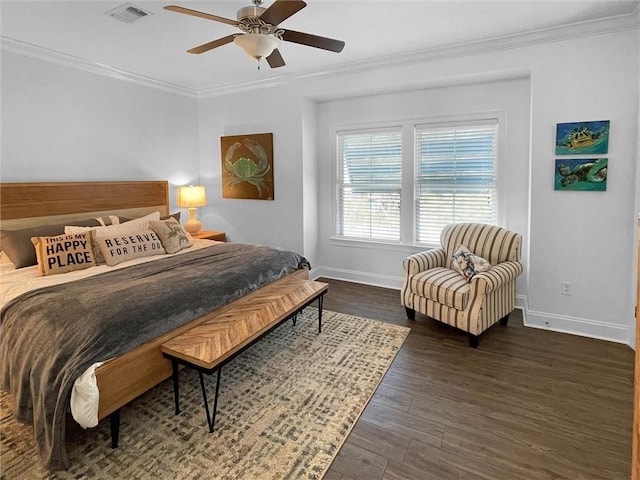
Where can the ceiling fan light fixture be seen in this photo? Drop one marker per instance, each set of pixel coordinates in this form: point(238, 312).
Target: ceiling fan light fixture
point(262, 35)
point(257, 45)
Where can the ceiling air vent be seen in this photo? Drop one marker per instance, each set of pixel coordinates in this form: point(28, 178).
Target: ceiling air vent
point(127, 13)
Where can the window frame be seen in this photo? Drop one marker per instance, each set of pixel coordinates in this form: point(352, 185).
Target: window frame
point(390, 129)
point(408, 238)
point(451, 125)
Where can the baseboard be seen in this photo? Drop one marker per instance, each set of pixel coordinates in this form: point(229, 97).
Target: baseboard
point(377, 280)
point(386, 281)
point(534, 319)
point(577, 326)
point(521, 304)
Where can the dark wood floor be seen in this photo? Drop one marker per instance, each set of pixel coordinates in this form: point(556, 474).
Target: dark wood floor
point(527, 404)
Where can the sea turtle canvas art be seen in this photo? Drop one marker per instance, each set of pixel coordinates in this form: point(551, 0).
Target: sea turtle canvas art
point(579, 138)
point(247, 166)
point(585, 174)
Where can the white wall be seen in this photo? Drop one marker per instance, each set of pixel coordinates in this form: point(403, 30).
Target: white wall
point(507, 99)
point(310, 181)
point(276, 222)
point(64, 124)
point(586, 238)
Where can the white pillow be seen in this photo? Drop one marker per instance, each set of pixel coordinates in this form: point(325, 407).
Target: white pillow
point(132, 226)
point(126, 228)
point(4, 259)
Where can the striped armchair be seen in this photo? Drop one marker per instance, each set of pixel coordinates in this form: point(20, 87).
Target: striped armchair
point(434, 289)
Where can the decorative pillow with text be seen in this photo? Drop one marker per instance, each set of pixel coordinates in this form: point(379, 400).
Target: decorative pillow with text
point(19, 248)
point(63, 253)
point(120, 248)
point(132, 226)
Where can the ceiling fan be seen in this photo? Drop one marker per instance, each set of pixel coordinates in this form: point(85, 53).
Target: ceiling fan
point(261, 33)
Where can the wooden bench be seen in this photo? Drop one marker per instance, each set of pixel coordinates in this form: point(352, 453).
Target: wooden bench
point(207, 347)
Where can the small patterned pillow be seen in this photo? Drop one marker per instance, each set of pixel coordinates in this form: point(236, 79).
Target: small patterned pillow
point(63, 253)
point(120, 248)
point(172, 235)
point(467, 264)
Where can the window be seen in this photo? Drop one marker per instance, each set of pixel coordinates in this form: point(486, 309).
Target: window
point(450, 177)
point(369, 184)
point(455, 178)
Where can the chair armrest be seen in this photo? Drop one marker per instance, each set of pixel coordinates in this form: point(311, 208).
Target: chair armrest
point(422, 261)
point(496, 276)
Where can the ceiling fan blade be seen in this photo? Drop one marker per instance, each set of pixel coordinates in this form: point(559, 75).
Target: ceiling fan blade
point(275, 60)
point(195, 13)
point(205, 47)
point(313, 41)
point(280, 10)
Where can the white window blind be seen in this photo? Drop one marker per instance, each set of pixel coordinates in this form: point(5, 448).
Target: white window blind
point(455, 176)
point(368, 184)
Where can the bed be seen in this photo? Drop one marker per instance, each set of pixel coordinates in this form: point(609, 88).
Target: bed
point(125, 376)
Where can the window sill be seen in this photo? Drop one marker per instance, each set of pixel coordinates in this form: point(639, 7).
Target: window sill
point(381, 245)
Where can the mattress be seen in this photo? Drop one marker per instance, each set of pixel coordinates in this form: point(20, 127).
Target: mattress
point(55, 331)
point(15, 282)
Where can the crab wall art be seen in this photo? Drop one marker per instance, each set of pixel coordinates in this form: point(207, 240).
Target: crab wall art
point(247, 166)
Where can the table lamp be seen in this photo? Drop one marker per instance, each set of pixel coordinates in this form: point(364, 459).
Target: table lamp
point(190, 198)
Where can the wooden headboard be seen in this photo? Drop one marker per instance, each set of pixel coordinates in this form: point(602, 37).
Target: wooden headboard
point(30, 204)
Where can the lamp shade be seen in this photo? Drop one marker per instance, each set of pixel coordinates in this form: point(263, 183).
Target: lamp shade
point(191, 197)
point(257, 45)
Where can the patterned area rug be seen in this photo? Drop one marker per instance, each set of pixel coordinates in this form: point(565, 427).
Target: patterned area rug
point(286, 406)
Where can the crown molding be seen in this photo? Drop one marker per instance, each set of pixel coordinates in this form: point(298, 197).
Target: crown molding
point(538, 37)
point(543, 36)
point(42, 53)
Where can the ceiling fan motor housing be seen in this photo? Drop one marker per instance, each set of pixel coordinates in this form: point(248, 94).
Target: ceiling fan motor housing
point(249, 12)
point(250, 22)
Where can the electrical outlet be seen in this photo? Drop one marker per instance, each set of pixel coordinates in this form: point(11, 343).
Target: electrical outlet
point(566, 288)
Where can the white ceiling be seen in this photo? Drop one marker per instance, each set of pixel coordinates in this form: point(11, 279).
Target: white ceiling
point(155, 47)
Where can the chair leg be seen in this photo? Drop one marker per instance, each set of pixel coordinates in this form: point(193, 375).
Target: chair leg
point(411, 313)
point(504, 320)
point(474, 341)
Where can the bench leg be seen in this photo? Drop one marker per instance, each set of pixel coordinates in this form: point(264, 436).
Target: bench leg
point(294, 317)
point(115, 428)
point(211, 418)
point(176, 386)
point(320, 298)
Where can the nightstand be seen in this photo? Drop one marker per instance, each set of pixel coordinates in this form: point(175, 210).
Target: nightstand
point(211, 235)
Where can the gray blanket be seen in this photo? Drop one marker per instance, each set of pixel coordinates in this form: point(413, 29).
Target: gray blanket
point(50, 336)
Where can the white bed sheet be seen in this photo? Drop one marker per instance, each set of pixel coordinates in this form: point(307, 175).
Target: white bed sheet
point(13, 283)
